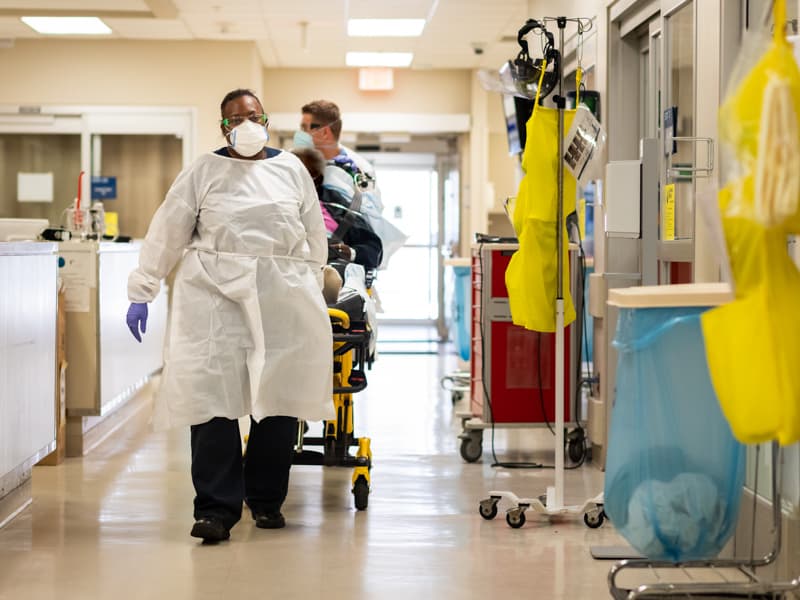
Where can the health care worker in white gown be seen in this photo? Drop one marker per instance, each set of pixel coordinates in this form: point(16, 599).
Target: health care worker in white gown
point(249, 330)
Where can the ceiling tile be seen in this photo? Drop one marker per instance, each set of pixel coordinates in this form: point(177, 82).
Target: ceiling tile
point(99, 5)
point(11, 27)
point(154, 29)
point(408, 9)
point(274, 25)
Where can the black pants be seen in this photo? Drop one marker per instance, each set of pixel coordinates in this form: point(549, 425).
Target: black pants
point(222, 479)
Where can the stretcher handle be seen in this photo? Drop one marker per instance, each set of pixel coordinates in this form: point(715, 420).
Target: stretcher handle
point(339, 315)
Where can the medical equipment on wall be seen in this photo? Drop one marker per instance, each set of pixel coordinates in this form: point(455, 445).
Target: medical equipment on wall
point(753, 362)
point(538, 229)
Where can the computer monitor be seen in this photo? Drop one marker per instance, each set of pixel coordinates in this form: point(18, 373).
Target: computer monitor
point(517, 111)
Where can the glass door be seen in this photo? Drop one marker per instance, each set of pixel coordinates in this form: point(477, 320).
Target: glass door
point(409, 287)
point(676, 246)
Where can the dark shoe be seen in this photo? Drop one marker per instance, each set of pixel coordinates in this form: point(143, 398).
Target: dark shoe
point(211, 530)
point(270, 520)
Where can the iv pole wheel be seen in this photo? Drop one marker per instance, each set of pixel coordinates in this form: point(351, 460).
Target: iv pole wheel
point(488, 508)
point(595, 518)
point(515, 518)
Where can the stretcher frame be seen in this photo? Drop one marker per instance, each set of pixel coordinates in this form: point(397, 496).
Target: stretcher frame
point(351, 356)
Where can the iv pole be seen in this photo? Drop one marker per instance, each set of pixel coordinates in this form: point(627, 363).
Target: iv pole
point(592, 509)
point(558, 495)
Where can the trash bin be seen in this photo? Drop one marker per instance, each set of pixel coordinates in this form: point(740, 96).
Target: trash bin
point(674, 473)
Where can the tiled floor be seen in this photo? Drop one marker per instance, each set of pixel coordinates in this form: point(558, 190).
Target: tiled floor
point(115, 524)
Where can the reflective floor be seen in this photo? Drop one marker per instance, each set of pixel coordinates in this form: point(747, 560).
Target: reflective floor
point(115, 524)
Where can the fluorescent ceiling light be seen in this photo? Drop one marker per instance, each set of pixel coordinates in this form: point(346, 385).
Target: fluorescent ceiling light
point(67, 25)
point(385, 27)
point(379, 59)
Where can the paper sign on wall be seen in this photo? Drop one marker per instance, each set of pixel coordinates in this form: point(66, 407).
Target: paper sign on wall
point(34, 187)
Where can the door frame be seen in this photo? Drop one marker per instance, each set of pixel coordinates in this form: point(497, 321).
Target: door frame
point(113, 120)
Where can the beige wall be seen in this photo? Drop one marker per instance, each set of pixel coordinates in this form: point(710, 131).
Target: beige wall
point(131, 73)
point(504, 172)
point(429, 91)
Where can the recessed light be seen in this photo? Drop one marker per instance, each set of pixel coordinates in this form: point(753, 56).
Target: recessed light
point(379, 59)
point(67, 25)
point(385, 27)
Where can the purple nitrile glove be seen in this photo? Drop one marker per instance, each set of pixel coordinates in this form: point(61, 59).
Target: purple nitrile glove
point(137, 319)
point(346, 163)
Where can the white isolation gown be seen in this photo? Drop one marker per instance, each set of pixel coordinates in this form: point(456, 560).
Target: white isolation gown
point(249, 331)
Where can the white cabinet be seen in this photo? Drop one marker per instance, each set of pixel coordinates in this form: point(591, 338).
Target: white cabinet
point(28, 303)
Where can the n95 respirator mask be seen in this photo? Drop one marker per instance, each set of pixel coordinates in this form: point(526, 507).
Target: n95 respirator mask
point(248, 139)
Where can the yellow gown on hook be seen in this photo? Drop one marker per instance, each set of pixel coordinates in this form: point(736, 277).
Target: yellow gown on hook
point(753, 343)
point(532, 272)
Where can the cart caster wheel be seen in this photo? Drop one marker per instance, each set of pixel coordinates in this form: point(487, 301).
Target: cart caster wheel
point(515, 518)
point(488, 508)
point(361, 493)
point(576, 450)
point(471, 447)
point(594, 519)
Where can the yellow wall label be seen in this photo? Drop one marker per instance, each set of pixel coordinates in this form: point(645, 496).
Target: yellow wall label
point(668, 232)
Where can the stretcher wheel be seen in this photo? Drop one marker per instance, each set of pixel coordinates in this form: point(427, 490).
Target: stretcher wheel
point(594, 519)
point(361, 493)
point(471, 447)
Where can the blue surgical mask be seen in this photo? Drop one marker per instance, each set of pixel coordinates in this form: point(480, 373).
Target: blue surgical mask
point(303, 139)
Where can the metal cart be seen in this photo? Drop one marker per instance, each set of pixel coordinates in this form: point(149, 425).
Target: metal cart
point(512, 369)
point(726, 578)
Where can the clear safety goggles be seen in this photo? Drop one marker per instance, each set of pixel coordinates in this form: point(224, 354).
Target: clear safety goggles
point(236, 120)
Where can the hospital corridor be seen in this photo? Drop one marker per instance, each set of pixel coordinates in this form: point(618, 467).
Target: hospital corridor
point(114, 525)
point(376, 300)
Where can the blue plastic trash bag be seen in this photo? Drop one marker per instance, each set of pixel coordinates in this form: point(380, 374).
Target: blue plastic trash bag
point(674, 472)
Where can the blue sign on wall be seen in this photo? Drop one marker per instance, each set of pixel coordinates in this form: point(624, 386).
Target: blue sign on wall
point(104, 188)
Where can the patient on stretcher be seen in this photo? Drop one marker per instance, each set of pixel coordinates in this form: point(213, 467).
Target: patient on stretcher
point(350, 236)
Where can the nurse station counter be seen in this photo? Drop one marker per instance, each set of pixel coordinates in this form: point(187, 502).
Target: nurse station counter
point(69, 368)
